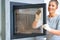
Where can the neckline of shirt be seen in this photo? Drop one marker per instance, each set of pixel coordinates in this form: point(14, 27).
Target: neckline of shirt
point(53, 17)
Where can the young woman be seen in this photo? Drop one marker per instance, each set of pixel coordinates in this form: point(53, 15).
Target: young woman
point(53, 25)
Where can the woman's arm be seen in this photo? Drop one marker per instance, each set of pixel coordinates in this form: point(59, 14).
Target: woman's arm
point(52, 31)
point(36, 23)
point(55, 32)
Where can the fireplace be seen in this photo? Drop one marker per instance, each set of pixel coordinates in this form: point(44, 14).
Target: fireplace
point(22, 16)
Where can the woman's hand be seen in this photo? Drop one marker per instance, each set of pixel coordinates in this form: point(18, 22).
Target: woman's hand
point(37, 17)
point(52, 31)
point(46, 27)
point(36, 22)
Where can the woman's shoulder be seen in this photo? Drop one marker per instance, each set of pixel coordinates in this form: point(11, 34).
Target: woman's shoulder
point(58, 17)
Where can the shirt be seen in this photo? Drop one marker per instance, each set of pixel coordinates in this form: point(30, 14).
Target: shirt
point(54, 23)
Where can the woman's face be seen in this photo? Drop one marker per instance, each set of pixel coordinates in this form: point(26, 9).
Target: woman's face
point(52, 7)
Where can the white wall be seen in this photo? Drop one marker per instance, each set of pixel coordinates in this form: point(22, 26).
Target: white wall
point(0, 19)
point(7, 15)
point(29, 1)
point(58, 10)
point(0, 16)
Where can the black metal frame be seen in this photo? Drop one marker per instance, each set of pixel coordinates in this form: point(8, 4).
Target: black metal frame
point(13, 6)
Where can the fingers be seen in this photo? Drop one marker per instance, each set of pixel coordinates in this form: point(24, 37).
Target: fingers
point(46, 27)
point(43, 26)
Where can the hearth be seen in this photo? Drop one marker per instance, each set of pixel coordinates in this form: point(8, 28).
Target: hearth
point(22, 16)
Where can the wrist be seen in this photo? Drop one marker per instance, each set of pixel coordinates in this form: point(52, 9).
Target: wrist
point(49, 29)
point(46, 27)
point(36, 19)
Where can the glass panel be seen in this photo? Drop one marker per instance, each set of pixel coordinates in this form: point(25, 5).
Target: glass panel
point(24, 19)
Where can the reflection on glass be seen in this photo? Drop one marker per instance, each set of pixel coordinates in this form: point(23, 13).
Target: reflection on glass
point(24, 19)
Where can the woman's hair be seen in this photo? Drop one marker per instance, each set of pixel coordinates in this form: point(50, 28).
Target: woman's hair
point(55, 1)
